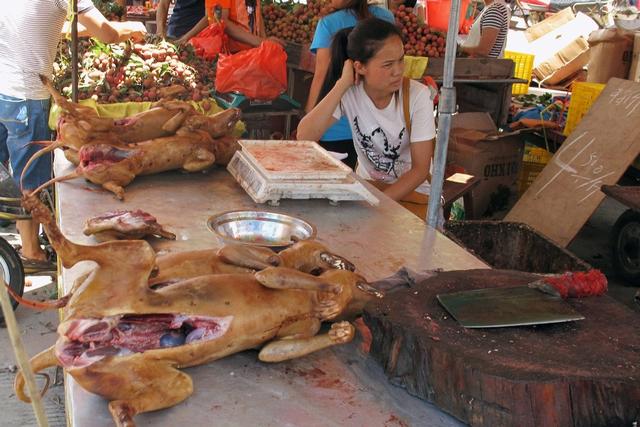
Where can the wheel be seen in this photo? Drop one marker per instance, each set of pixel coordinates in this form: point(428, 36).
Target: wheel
point(11, 270)
point(625, 246)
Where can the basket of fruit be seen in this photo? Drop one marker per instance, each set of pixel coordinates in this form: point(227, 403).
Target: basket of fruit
point(419, 39)
point(127, 72)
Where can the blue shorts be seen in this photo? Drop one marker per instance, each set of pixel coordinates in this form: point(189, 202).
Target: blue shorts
point(21, 122)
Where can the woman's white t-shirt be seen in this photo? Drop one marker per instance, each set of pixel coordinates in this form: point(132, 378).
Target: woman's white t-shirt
point(380, 135)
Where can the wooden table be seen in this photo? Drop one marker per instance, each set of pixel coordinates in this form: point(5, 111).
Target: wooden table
point(337, 387)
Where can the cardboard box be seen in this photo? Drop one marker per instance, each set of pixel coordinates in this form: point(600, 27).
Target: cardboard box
point(610, 56)
point(563, 50)
point(634, 70)
point(477, 146)
point(556, 20)
point(567, 61)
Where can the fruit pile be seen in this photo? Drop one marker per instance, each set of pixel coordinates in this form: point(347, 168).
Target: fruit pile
point(110, 9)
point(293, 22)
point(127, 72)
point(418, 39)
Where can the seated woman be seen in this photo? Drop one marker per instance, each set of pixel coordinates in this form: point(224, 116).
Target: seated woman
point(366, 76)
point(349, 12)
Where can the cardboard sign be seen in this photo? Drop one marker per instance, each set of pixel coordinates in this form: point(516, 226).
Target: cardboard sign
point(598, 151)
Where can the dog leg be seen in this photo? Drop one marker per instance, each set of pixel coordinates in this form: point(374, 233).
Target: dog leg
point(186, 265)
point(303, 329)
point(199, 160)
point(286, 349)
point(254, 257)
point(116, 189)
point(287, 278)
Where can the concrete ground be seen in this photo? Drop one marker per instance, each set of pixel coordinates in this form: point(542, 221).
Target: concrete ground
point(38, 328)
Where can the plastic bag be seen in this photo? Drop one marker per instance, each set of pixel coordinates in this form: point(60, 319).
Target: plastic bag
point(258, 73)
point(210, 42)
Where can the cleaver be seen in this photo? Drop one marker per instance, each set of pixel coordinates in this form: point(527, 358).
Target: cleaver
point(534, 304)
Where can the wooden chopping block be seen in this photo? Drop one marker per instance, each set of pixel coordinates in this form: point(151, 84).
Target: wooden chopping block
point(584, 373)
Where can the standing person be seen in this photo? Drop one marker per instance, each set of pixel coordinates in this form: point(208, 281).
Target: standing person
point(29, 34)
point(338, 137)
point(242, 19)
point(488, 34)
point(370, 91)
point(186, 15)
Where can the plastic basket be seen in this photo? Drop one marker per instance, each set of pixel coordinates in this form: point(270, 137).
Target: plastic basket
point(523, 70)
point(583, 95)
point(533, 161)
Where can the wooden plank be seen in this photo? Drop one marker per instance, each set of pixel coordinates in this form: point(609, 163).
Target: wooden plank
point(605, 143)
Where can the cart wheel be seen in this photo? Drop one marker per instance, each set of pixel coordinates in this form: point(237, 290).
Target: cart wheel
point(11, 270)
point(626, 246)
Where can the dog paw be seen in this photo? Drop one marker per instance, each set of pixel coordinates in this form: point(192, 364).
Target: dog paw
point(342, 332)
point(327, 309)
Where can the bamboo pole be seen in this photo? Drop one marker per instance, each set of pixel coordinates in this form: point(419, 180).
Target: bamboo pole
point(21, 355)
point(74, 50)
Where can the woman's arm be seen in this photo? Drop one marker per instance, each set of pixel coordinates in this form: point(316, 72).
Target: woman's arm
point(105, 31)
point(161, 18)
point(487, 40)
point(323, 58)
point(318, 120)
point(201, 25)
point(421, 155)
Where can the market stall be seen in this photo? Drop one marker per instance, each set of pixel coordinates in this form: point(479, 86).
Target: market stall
point(336, 387)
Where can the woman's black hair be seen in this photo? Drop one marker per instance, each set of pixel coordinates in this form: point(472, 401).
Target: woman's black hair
point(360, 43)
point(359, 7)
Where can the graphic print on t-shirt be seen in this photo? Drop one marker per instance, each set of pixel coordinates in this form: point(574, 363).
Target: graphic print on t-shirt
point(388, 161)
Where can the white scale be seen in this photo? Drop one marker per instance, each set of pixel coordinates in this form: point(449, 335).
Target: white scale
point(273, 170)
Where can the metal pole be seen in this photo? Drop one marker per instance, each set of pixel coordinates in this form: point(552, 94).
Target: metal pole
point(446, 108)
point(74, 50)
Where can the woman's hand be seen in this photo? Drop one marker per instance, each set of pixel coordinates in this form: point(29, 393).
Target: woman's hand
point(349, 76)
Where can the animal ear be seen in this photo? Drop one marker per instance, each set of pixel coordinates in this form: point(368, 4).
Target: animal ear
point(337, 262)
point(368, 289)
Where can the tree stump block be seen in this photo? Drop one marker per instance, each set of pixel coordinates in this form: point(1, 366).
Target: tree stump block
point(584, 373)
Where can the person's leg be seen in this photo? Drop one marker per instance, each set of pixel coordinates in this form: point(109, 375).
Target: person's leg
point(26, 121)
point(4, 153)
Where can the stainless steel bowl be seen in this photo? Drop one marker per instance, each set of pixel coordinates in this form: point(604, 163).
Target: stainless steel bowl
point(261, 228)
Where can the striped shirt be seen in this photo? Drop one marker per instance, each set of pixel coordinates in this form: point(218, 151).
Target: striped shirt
point(29, 34)
point(496, 16)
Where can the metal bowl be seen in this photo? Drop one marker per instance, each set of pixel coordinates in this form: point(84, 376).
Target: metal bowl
point(261, 228)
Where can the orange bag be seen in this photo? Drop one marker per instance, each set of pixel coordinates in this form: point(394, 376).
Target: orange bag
point(258, 73)
point(210, 42)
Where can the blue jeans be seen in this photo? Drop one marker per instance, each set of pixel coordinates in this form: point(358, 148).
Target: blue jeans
point(21, 122)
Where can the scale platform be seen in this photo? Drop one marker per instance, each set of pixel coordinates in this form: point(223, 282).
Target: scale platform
point(273, 170)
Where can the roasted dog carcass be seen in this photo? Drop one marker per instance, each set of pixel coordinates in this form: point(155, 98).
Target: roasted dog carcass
point(120, 225)
point(168, 122)
point(114, 168)
point(126, 340)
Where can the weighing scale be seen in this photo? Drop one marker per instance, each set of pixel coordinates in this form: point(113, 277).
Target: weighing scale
point(273, 170)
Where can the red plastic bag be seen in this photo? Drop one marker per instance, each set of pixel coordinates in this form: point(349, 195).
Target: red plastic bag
point(210, 42)
point(258, 73)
